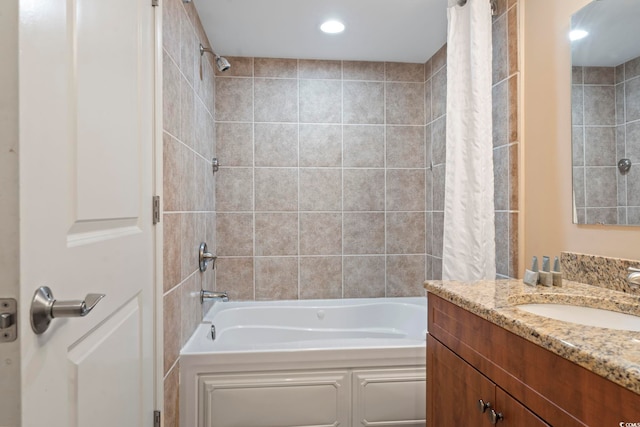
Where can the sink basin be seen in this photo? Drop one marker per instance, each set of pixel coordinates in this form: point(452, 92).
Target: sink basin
point(585, 316)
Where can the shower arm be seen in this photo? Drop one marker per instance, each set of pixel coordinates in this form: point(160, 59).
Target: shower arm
point(204, 50)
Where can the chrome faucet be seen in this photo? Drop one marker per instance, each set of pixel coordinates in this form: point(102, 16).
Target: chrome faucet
point(213, 295)
point(633, 279)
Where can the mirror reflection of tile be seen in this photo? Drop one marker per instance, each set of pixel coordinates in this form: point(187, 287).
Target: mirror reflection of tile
point(606, 114)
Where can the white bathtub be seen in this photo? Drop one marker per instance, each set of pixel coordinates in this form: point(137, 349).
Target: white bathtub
point(344, 362)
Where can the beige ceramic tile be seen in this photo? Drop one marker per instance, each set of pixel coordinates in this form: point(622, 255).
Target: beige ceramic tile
point(189, 49)
point(320, 145)
point(364, 276)
point(319, 69)
point(405, 103)
point(172, 250)
point(235, 276)
point(512, 29)
point(363, 146)
point(513, 109)
point(172, 174)
point(405, 275)
point(363, 70)
point(405, 147)
point(276, 100)
point(320, 189)
point(320, 277)
point(187, 133)
point(171, 329)
point(240, 67)
point(363, 189)
point(405, 189)
point(276, 144)
point(363, 233)
point(500, 56)
point(405, 233)
point(234, 189)
point(234, 99)
point(276, 189)
point(320, 234)
point(320, 101)
point(439, 59)
point(439, 94)
point(276, 234)
point(234, 144)
point(269, 67)
point(404, 72)
point(171, 20)
point(363, 102)
point(276, 278)
point(191, 312)
point(234, 234)
point(170, 96)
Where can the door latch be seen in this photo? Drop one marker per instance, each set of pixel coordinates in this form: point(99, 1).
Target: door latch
point(8, 320)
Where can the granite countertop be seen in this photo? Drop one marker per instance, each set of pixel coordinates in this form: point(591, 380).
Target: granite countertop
point(610, 353)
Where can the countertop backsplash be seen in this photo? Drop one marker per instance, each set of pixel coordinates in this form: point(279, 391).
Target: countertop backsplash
point(610, 273)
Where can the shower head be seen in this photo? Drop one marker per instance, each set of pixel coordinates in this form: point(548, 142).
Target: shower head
point(221, 61)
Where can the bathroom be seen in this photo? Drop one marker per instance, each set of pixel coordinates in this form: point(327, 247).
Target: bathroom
point(532, 182)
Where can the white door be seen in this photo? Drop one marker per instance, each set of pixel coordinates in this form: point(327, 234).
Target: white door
point(86, 176)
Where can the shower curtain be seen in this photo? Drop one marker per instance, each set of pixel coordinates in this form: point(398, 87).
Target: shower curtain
point(468, 242)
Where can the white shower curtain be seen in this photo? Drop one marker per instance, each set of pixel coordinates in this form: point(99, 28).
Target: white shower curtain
point(468, 243)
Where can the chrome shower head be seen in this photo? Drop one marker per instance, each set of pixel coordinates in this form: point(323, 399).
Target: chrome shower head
point(222, 63)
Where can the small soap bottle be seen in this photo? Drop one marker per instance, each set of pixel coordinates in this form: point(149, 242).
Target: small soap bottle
point(556, 273)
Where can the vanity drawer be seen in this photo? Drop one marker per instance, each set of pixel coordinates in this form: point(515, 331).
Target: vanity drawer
point(559, 391)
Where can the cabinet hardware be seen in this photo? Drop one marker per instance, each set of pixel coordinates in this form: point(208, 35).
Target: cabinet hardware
point(494, 416)
point(483, 406)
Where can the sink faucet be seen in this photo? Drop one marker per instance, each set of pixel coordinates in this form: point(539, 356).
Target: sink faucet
point(213, 295)
point(633, 279)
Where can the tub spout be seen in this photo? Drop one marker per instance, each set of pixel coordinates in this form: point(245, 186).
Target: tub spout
point(213, 295)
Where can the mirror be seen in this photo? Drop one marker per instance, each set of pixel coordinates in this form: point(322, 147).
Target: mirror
point(605, 112)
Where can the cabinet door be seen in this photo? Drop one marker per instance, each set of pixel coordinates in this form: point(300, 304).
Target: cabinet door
point(454, 389)
point(515, 413)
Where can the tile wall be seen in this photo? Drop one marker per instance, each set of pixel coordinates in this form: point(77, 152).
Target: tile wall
point(628, 139)
point(321, 190)
point(506, 135)
point(606, 128)
point(188, 199)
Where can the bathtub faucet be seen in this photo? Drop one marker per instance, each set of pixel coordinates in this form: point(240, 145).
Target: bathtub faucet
point(213, 295)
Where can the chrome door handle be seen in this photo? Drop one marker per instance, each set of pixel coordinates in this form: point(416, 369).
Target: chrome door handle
point(44, 308)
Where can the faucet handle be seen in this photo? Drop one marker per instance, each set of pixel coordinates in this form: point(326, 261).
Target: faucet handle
point(633, 279)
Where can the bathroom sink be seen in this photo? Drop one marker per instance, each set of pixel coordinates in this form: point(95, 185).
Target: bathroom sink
point(585, 316)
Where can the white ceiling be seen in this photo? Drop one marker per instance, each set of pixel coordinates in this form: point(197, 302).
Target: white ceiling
point(614, 31)
point(376, 30)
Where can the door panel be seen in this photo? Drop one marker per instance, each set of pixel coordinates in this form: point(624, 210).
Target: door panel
point(455, 388)
point(86, 180)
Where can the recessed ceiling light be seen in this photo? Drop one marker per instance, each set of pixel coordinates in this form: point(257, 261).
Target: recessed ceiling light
point(332, 27)
point(577, 34)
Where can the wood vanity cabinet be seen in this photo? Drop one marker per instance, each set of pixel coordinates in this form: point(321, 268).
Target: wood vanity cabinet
point(469, 359)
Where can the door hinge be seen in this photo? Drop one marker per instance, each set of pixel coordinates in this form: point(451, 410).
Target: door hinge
point(155, 3)
point(157, 418)
point(156, 209)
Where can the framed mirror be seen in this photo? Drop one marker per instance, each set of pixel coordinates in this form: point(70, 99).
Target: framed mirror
point(605, 112)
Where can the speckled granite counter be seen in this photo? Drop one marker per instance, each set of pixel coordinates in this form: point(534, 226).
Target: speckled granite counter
point(610, 353)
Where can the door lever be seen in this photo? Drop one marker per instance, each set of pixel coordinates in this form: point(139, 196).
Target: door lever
point(44, 308)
